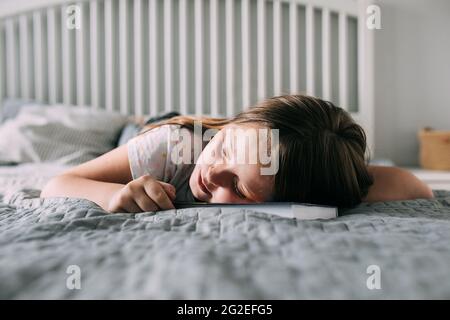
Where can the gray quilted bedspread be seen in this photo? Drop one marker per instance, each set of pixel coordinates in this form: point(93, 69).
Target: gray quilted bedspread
point(209, 254)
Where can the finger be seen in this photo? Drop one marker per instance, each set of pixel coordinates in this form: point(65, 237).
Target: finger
point(131, 207)
point(144, 201)
point(170, 190)
point(159, 196)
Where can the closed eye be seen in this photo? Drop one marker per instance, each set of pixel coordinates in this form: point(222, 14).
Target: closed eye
point(236, 189)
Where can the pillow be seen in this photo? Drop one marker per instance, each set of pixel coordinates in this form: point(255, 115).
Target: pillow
point(11, 107)
point(128, 132)
point(67, 135)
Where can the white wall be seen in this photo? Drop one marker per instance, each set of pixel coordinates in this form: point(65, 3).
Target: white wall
point(412, 75)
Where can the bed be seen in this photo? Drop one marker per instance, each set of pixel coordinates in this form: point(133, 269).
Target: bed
point(216, 58)
point(206, 254)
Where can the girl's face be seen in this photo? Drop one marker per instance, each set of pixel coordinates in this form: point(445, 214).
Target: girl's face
point(218, 177)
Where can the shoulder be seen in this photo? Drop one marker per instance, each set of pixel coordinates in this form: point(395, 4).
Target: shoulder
point(393, 183)
point(148, 153)
point(162, 135)
point(164, 129)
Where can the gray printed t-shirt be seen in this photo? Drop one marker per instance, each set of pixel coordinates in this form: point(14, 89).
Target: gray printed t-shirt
point(152, 153)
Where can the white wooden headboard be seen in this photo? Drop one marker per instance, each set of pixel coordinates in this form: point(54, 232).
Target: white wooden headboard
point(211, 57)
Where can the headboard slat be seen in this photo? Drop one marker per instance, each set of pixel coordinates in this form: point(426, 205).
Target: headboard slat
point(110, 65)
point(261, 56)
point(11, 62)
point(245, 47)
point(230, 64)
point(310, 51)
point(293, 49)
point(183, 31)
point(25, 49)
point(343, 60)
point(198, 57)
point(153, 53)
point(277, 47)
point(214, 56)
point(326, 59)
point(94, 53)
point(67, 60)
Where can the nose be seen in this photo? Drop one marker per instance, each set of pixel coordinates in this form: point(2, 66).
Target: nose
point(217, 176)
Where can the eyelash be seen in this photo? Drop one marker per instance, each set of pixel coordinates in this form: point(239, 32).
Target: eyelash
point(236, 189)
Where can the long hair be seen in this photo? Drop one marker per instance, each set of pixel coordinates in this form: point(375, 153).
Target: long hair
point(188, 122)
point(322, 151)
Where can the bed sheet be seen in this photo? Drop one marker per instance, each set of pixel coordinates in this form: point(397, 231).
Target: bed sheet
point(204, 253)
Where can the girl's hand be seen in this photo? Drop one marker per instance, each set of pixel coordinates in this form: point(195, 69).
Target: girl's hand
point(142, 195)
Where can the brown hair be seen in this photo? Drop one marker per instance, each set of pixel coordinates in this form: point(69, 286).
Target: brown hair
point(321, 149)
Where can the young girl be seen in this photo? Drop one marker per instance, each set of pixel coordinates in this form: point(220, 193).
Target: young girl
point(321, 156)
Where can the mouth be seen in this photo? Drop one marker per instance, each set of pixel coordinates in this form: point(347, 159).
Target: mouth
point(202, 185)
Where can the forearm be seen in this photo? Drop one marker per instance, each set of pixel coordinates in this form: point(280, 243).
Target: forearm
point(392, 184)
point(78, 187)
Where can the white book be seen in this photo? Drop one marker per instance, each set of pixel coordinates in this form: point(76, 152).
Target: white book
point(301, 211)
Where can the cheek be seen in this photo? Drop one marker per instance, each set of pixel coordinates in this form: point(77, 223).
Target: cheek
point(205, 156)
point(194, 175)
point(212, 154)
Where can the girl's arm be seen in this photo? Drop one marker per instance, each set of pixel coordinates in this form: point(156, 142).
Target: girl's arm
point(96, 180)
point(107, 181)
point(391, 183)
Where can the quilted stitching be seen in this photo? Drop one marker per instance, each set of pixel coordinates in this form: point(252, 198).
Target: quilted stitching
point(208, 254)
